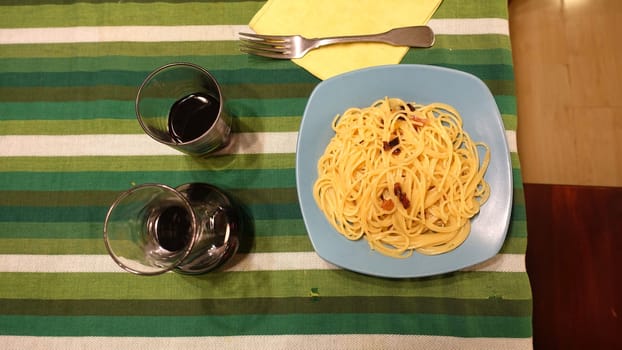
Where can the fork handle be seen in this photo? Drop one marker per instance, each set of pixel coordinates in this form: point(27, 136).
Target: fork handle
point(415, 36)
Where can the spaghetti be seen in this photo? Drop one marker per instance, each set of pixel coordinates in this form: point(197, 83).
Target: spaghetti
point(404, 176)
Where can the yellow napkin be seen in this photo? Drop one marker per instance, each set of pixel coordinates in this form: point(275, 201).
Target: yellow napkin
point(320, 18)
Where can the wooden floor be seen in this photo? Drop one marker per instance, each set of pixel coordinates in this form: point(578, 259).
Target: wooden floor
point(573, 261)
point(568, 65)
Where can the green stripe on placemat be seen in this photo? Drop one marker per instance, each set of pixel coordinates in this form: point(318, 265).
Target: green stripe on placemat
point(471, 9)
point(293, 323)
point(282, 236)
point(130, 13)
point(133, 79)
point(147, 163)
point(270, 211)
point(122, 180)
point(113, 92)
point(143, 64)
point(312, 304)
point(83, 213)
point(264, 241)
point(277, 195)
point(289, 283)
point(125, 109)
point(131, 126)
point(79, 230)
point(246, 76)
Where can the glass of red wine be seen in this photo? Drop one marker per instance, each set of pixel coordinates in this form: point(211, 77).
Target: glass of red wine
point(153, 228)
point(181, 105)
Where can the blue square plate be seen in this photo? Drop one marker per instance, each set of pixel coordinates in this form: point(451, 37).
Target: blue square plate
point(421, 84)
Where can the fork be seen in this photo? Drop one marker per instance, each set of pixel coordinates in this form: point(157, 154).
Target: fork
point(296, 46)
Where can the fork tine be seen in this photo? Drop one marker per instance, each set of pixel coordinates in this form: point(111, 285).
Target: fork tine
point(268, 45)
point(272, 46)
point(264, 37)
point(263, 53)
point(264, 48)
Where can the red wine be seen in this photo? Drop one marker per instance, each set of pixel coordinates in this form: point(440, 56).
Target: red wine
point(191, 116)
point(173, 228)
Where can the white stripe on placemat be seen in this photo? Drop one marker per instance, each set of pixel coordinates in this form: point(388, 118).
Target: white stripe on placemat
point(241, 262)
point(88, 34)
point(142, 145)
point(56, 35)
point(510, 135)
point(133, 145)
point(470, 26)
point(272, 342)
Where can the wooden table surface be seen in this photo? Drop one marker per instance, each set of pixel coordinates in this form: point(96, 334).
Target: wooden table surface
point(574, 254)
